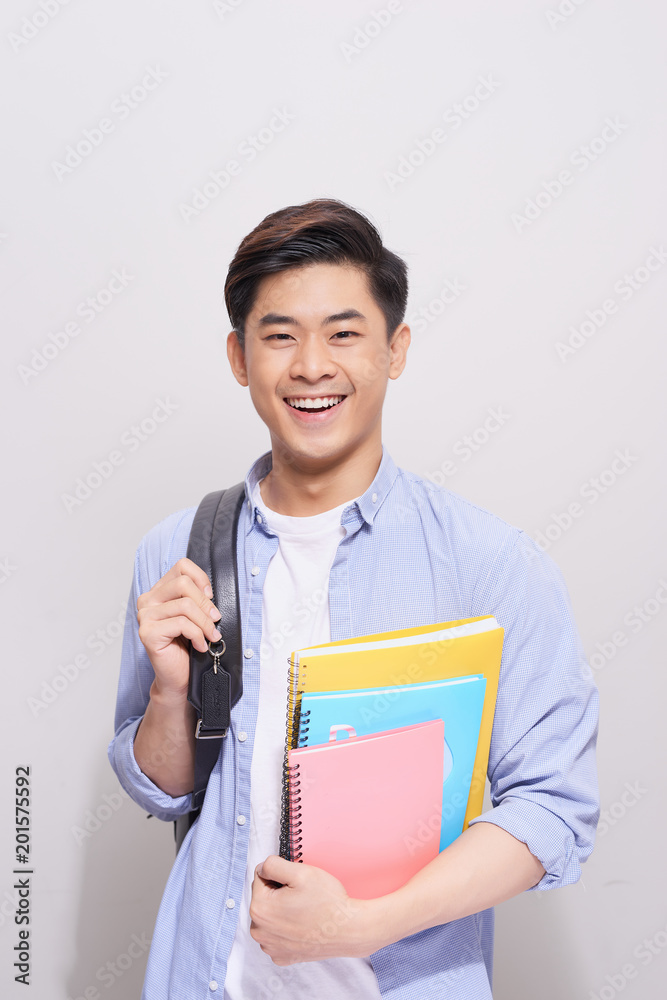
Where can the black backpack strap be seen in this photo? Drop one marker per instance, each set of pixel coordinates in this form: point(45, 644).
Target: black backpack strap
point(216, 678)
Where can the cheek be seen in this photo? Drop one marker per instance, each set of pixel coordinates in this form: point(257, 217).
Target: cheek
point(372, 374)
point(262, 381)
point(262, 398)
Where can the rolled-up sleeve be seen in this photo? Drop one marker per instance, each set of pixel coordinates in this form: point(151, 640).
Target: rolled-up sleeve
point(542, 766)
point(158, 550)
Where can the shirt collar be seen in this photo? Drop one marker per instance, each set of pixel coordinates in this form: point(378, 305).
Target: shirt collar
point(364, 508)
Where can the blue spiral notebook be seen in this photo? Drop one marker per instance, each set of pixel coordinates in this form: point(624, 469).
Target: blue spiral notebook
point(335, 715)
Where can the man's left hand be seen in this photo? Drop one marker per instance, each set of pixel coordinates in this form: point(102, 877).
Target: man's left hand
point(300, 913)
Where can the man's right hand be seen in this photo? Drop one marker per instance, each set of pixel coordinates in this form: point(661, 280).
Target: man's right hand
point(177, 608)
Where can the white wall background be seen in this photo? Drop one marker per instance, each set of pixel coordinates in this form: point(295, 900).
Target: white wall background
point(72, 393)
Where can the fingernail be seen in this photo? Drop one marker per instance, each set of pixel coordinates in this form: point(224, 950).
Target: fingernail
point(217, 636)
point(215, 614)
point(208, 591)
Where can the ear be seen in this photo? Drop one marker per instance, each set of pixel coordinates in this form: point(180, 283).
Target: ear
point(398, 349)
point(236, 356)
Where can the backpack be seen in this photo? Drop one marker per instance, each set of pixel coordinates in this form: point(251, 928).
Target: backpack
point(216, 677)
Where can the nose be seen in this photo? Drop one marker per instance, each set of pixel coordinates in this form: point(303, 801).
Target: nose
point(313, 359)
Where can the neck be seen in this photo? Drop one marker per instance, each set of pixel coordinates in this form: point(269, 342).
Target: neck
point(302, 489)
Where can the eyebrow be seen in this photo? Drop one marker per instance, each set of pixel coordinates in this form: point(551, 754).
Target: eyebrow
point(272, 319)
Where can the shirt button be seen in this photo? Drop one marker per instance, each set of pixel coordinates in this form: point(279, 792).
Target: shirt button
point(243, 736)
point(374, 498)
point(240, 820)
point(248, 653)
point(213, 985)
point(259, 519)
point(255, 569)
point(230, 904)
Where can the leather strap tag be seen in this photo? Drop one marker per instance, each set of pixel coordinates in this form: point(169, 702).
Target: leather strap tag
point(216, 698)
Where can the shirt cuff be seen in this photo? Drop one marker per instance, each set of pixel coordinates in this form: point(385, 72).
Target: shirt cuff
point(545, 835)
point(137, 785)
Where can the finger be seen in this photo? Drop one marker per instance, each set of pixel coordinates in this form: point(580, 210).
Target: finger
point(170, 588)
point(182, 607)
point(267, 883)
point(275, 869)
point(156, 636)
point(262, 888)
point(186, 567)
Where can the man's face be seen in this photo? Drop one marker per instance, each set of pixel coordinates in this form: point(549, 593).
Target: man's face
point(317, 361)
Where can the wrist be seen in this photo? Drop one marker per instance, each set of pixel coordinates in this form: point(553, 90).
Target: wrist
point(165, 696)
point(397, 915)
point(379, 922)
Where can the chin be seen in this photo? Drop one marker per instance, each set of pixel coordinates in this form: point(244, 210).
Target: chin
point(308, 452)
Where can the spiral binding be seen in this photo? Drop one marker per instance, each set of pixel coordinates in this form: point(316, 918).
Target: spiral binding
point(304, 727)
point(295, 687)
point(294, 837)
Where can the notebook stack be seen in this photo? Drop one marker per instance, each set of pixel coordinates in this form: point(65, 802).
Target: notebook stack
point(386, 749)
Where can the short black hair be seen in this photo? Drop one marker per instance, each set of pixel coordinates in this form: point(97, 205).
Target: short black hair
point(321, 231)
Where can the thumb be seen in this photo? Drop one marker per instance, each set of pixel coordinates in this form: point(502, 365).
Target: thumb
point(275, 869)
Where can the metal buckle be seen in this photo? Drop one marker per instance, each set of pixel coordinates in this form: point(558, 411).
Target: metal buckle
point(215, 734)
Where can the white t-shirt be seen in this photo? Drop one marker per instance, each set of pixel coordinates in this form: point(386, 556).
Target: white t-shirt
point(295, 614)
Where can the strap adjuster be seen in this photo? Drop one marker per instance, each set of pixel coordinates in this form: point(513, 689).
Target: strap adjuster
point(209, 734)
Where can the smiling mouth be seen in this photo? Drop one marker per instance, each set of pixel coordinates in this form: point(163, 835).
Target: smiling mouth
point(310, 405)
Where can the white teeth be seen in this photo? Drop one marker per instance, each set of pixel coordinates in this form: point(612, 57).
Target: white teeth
point(314, 404)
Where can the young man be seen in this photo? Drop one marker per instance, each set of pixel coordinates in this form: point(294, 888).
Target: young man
point(335, 541)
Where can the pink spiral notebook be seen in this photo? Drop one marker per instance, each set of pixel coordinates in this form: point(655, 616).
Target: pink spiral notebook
point(368, 809)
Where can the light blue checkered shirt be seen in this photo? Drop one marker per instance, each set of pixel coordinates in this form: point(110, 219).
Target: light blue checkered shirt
point(413, 554)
